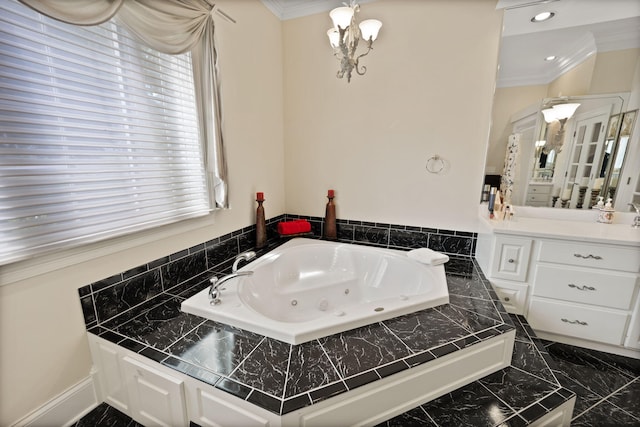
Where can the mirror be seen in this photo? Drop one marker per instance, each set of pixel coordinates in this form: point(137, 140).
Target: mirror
point(579, 158)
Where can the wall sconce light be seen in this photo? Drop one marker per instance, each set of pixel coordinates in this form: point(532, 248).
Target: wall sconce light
point(561, 113)
point(345, 36)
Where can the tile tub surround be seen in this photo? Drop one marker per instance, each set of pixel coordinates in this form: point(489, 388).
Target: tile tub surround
point(281, 378)
point(110, 297)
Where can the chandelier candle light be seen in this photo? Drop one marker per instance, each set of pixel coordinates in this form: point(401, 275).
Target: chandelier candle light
point(345, 36)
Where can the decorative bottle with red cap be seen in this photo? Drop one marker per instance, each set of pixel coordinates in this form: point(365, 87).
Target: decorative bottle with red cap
point(330, 232)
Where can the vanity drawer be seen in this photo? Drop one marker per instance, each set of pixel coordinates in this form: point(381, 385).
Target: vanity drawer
point(588, 255)
point(595, 324)
point(603, 288)
point(539, 189)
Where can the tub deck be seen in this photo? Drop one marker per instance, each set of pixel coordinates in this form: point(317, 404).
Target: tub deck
point(282, 378)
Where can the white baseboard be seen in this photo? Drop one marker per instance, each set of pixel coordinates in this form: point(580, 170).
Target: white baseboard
point(65, 409)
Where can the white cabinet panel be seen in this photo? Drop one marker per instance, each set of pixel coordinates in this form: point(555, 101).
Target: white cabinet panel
point(157, 399)
point(209, 410)
point(112, 385)
point(511, 259)
point(587, 255)
point(578, 321)
point(599, 287)
point(512, 295)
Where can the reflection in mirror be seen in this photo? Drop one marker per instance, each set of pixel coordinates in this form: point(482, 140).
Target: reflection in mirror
point(572, 160)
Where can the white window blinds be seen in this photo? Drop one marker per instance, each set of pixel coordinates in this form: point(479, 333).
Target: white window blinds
point(98, 135)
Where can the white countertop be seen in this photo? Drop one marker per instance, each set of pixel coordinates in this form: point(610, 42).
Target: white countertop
point(619, 234)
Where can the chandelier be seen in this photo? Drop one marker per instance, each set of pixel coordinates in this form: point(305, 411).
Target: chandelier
point(345, 36)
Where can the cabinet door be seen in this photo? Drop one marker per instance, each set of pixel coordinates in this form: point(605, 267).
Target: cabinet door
point(156, 398)
point(511, 258)
point(112, 385)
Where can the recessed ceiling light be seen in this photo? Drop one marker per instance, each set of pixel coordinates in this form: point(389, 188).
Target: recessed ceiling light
point(550, 58)
point(543, 16)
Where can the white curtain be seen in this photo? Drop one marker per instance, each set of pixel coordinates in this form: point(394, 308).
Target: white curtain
point(173, 27)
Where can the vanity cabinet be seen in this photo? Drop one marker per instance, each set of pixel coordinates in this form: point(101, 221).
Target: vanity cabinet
point(584, 291)
point(148, 394)
point(539, 195)
point(572, 286)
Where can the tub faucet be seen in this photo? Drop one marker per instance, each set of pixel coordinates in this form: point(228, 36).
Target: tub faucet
point(245, 256)
point(636, 220)
point(214, 293)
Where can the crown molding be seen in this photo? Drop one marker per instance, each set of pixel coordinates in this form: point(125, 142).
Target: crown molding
point(291, 9)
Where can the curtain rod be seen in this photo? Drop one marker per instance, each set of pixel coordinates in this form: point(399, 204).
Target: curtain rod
point(224, 15)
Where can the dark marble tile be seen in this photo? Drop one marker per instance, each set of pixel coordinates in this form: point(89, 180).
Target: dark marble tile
point(451, 244)
point(88, 310)
point(113, 300)
point(266, 367)
point(345, 232)
point(482, 307)
point(234, 388)
point(514, 421)
point(183, 269)
point(585, 398)
point(153, 354)
point(605, 414)
point(628, 398)
point(161, 326)
point(84, 291)
point(101, 284)
point(327, 391)
point(134, 271)
point(392, 368)
point(533, 413)
point(265, 401)
point(361, 379)
point(420, 358)
point(586, 369)
point(470, 320)
point(408, 239)
point(471, 405)
point(518, 389)
point(296, 403)
point(466, 287)
point(106, 416)
point(416, 417)
point(371, 235)
point(362, 349)
point(309, 368)
point(425, 329)
point(526, 357)
point(192, 370)
point(221, 252)
point(460, 266)
point(132, 345)
point(216, 347)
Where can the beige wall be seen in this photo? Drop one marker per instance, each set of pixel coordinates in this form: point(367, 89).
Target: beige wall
point(428, 91)
point(614, 71)
point(507, 101)
point(43, 349)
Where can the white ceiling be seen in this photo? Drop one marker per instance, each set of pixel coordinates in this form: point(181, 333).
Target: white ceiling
point(579, 29)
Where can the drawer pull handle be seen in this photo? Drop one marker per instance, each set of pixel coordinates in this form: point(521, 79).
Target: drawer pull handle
point(581, 288)
point(587, 256)
point(511, 260)
point(507, 299)
point(575, 322)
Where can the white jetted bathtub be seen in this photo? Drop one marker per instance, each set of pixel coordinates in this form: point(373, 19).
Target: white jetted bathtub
point(308, 289)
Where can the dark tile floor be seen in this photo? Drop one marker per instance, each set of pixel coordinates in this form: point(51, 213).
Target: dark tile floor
point(607, 388)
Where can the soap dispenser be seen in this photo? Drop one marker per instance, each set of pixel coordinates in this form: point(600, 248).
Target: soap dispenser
point(606, 214)
point(598, 208)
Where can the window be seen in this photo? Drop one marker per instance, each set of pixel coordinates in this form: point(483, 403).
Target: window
point(98, 135)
